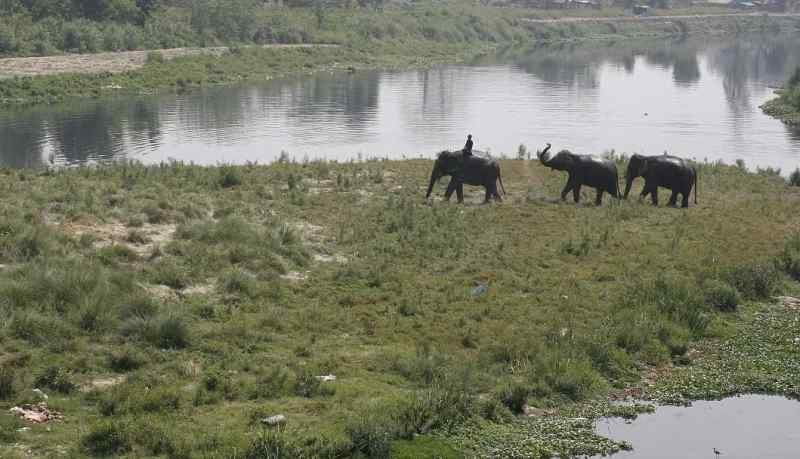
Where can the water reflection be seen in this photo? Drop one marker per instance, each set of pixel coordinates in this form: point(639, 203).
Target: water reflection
point(691, 97)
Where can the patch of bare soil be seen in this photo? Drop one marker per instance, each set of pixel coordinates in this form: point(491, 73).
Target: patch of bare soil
point(102, 383)
point(107, 234)
point(115, 62)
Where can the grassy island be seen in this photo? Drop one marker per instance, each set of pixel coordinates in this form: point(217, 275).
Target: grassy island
point(786, 107)
point(170, 310)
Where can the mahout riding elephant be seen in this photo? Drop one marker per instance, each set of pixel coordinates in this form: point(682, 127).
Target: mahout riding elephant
point(592, 171)
point(472, 170)
point(671, 172)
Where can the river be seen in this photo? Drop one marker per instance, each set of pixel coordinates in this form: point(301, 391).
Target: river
point(695, 98)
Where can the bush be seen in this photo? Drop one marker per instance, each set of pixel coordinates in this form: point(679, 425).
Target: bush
point(124, 360)
point(370, 436)
point(789, 259)
point(271, 445)
point(794, 177)
point(106, 440)
point(170, 333)
point(307, 385)
point(514, 397)
point(721, 296)
point(55, 378)
point(6, 383)
point(229, 177)
point(755, 281)
point(155, 57)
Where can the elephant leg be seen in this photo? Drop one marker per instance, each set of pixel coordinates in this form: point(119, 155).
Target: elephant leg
point(488, 197)
point(451, 187)
point(567, 188)
point(598, 201)
point(576, 192)
point(460, 192)
point(685, 198)
point(654, 195)
point(673, 198)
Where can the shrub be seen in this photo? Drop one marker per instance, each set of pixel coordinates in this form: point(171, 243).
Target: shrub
point(229, 177)
point(789, 259)
point(307, 385)
point(155, 57)
point(168, 272)
point(55, 378)
point(370, 436)
point(794, 177)
point(6, 383)
point(755, 281)
point(106, 440)
point(271, 445)
point(494, 410)
point(170, 333)
point(721, 296)
point(514, 397)
point(9, 429)
point(124, 360)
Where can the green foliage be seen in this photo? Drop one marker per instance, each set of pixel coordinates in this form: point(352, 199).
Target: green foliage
point(794, 177)
point(106, 439)
point(755, 281)
point(789, 259)
point(370, 436)
point(721, 295)
point(7, 388)
point(55, 378)
point(514, 397)
point(229, 177)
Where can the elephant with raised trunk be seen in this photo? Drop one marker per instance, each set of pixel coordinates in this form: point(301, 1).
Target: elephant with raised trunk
point(472, 170)
point(671, 172)
point(592, 171)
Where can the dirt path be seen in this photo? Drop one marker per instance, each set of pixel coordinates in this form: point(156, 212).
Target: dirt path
point(114, 62)
point(653, 18)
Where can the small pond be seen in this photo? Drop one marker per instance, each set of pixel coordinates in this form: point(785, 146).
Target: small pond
point(746, 427)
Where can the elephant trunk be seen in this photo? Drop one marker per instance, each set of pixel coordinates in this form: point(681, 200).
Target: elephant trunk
point(543, 155)
point(435, 176)
point(628, 183)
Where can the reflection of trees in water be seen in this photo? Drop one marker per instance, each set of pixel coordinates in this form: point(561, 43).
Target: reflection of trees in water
point(766, 60)
point(21, 141)
point(567, 64)
point(577, 65)
point(76, 133)
point(351, 98)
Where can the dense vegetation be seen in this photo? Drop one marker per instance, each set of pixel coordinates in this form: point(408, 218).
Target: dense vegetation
point(786, 106)
point(167, 310)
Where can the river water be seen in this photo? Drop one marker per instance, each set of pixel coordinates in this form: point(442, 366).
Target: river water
point(694, 98)
point(746, 427)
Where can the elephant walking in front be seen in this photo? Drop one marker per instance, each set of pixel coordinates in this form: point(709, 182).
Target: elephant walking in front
point(592, 171)
point(671, 172)
point(472, 170)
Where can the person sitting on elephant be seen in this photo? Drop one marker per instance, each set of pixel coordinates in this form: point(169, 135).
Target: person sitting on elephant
point(467, 151)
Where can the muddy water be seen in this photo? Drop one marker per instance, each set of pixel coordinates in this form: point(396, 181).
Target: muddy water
point(751, 426)
point(693, 98)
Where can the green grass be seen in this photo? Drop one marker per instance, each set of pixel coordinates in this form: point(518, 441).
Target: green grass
point(213, 333)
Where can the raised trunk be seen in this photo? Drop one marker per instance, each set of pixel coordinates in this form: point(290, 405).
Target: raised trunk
point(544, 156)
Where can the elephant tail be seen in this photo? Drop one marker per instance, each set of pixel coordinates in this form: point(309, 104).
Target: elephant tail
point(695, 185)
point(500, 179)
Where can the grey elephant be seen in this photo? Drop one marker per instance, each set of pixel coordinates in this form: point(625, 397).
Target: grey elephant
point(592, 171)
point(472, 170)
point(675, 174)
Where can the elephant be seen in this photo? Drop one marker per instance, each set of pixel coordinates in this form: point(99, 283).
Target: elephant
point(671, 172)
point(472, 170)
point(592, 171)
